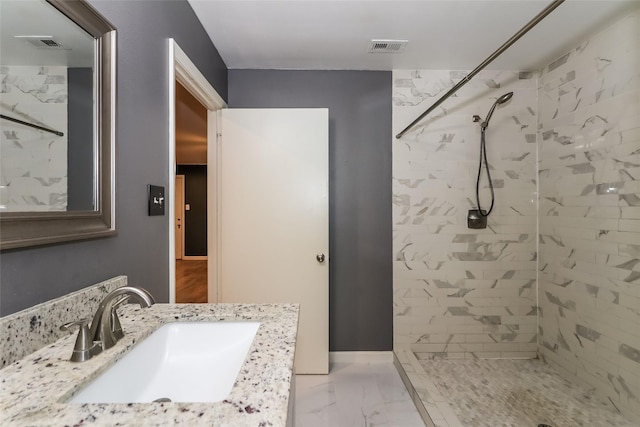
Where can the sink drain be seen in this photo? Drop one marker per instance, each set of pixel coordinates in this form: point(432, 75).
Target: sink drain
point(544, 425)
point(166, 399)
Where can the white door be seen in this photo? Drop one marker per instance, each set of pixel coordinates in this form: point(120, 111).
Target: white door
point(274, 225)
point(179, 225)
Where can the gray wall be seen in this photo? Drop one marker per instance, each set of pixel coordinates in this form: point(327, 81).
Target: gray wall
point(140, 250)
point(360, 277)
point(80, 180)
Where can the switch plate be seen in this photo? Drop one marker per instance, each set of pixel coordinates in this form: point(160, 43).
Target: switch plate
point(156, 200)
point(187, 207)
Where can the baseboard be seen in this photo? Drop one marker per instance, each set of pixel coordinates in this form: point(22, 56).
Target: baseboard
point(195, 258)
point(360, 357)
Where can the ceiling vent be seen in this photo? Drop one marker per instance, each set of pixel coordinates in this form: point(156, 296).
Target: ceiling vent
point(42, 42)
point(387, 46)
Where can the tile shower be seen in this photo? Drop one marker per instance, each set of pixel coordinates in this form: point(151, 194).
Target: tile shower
point(42, 91)
point(556, 274)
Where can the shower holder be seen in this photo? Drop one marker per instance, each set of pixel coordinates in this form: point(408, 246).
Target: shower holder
point(476, 220)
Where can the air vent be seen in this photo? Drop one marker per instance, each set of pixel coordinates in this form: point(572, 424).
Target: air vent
point(51, 43)
point(387, 46)
point(42, 42)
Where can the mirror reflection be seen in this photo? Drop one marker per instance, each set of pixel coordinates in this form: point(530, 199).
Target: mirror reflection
point(48, 105)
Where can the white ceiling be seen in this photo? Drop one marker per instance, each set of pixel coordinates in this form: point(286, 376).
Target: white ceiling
point(442, 34)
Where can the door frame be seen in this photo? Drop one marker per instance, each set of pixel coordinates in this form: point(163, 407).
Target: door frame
point(182, 69)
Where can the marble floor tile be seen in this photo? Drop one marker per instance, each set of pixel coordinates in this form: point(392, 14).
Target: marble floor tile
point(355, 394)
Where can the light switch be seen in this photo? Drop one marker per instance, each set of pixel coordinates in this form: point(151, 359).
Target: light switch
point(187, 207)
point(156, 200)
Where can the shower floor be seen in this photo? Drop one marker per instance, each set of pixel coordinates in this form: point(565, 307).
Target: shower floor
point(518, 393)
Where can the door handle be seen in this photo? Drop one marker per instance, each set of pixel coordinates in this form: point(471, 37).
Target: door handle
point(320, 258)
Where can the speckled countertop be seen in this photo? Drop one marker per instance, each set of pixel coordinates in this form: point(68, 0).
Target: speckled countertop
point(32, 389)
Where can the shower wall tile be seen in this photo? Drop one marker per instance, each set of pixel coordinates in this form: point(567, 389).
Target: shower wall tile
point(589, 247)
point(33, 164)
point(460, 292)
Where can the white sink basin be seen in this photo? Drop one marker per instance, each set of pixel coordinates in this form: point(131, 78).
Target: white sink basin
point(181, 361)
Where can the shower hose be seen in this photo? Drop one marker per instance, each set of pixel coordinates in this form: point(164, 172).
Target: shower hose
point(483, 155)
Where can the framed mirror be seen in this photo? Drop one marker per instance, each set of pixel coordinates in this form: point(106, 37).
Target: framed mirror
point(57, 125)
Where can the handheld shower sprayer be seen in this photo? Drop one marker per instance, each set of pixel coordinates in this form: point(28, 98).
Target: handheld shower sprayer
point(501, 100)
point(479, 220)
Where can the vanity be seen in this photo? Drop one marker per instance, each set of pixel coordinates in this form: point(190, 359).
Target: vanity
point(36, 389)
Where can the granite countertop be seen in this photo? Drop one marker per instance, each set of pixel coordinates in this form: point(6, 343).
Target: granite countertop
point(32, 389)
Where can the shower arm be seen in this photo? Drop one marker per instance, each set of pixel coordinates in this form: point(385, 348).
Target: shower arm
point(539, 17)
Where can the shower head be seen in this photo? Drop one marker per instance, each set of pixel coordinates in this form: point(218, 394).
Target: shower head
point(501, 100)
point(504, 98)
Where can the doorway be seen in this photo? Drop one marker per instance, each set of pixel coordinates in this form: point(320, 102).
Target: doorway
point(202, 267)
point(191, 272)
point(314, 197)
point(190, 197)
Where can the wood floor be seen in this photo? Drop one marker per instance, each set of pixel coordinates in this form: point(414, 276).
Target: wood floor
point(191, 281)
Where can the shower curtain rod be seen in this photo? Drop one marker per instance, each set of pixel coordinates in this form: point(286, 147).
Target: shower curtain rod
point(11, 119)
point(539, 17)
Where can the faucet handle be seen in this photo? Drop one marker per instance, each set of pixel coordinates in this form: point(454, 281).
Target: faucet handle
point(84, 348)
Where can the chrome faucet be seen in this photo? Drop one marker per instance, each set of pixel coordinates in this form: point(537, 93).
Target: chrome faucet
point(105, 329)
point(103, 325)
